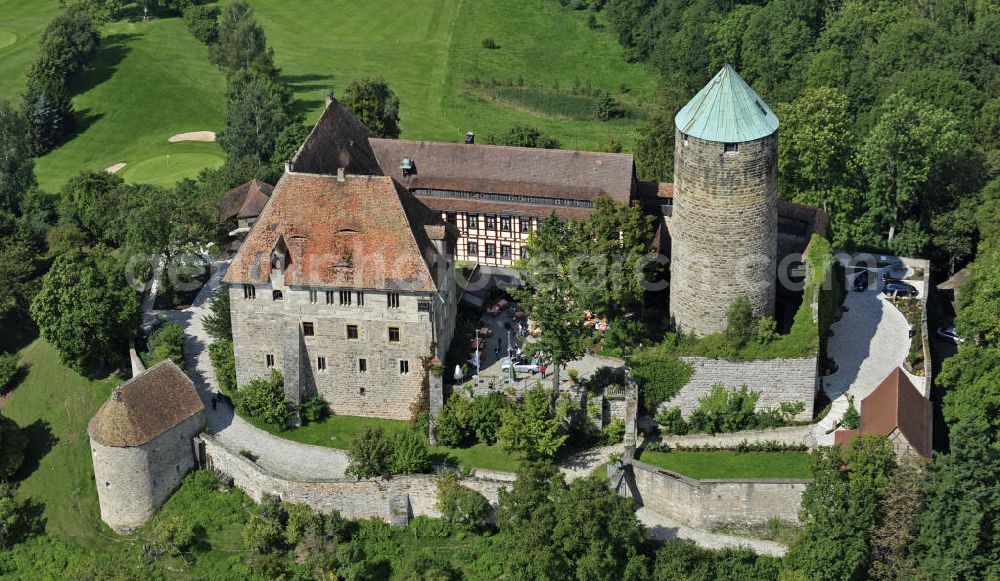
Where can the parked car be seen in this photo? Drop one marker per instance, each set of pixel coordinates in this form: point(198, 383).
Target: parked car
point(897, 287)
point(949, 335)
point(861, 281)
point(518, 367)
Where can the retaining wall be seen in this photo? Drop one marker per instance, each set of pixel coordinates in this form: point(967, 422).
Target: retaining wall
point(788, 435)
point(394, 500)
point(707, 503)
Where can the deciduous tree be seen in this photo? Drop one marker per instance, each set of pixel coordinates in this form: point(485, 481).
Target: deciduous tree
point(375, 104)
point(17, 168)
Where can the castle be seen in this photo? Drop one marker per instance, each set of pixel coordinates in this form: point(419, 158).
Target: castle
point(346, 282)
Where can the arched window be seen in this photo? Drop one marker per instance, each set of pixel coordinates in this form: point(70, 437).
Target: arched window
point(277, 295)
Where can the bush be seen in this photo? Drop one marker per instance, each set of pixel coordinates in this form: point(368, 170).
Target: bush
point(370, 454)
point(522, 136)
point(175, 535)
point(489, 43)
point(487, 411)
point(9, 368)
point(167, 342)
point(722, 410)
point(224, 361)
point(460, 505)
point(14, 521)
point(659, 374)
point(851, 419)
point(315, 409)
point(606, 107)
point(264, 400)
point(671, 421)
point(740, 323)
point(454, 423)
point(424, 527)
point(409, 454)
point(203, 22)
point(614, 432)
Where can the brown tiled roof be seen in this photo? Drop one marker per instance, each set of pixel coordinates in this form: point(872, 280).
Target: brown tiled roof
point(364, 232)
point(841, 437)
point(443, 204)
point(339, 140)
point(895, 403)
point(551, 173)
point(245, 201)
point(145, 407)
point(656, 190)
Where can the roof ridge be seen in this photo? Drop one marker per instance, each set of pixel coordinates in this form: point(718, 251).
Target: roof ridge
point(516, 147)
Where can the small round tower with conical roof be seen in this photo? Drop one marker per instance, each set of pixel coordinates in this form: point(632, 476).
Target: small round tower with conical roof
point(723, 228)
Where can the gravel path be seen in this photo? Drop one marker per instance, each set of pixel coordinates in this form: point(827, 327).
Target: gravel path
point(284, 458)
point(662, 528)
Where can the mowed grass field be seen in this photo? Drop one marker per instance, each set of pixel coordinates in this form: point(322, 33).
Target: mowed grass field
point(151, 80)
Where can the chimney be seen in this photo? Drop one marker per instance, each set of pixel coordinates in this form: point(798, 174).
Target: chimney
point(470, 138)
point(340, 174)
point(329, 99)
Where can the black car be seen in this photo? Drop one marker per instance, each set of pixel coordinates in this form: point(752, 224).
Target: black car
point(861, 281)
point(895, 287)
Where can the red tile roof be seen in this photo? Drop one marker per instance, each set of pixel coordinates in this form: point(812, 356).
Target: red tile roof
point(145, 407)
point(895, 403)
point(339, 140)
point(552, 173)
point(364, 232)
point(245, 201)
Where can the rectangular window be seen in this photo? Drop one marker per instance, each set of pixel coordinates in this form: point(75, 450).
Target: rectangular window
point(525, 226)
point(491, 222)
point(307, 329)
point(404, 366)
point(360, 298)
point(505, 223)
point(330, 296)
point(313, 295)
point(269, 360)
point(352, 331)
point(321, 363)
point(394, 334)
point(393, 300)
point(249, 292)
point(505, 250)
point(731, 147)
point(491, 250)
point(524, 252)
point(345, 298)
point(362, 367)
point(423, 306)
point(473, 249)
point(473, 221)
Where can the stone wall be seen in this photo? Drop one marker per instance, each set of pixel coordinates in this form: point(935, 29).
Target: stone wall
point(706, 503)
point(788, 435)
point(133, 482)
point(355, 499)
point(777, 380)
point(723, 230)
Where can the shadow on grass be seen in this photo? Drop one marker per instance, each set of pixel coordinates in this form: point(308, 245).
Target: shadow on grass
point(307, 82)
point(18, 333)
point(112, 52)
point(303, 106)
point(41, 440)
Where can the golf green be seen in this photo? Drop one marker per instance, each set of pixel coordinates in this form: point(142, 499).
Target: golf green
point(167, 170)
point(7, 38)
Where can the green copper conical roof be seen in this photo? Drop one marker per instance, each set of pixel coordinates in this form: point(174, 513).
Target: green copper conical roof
point(727, 110)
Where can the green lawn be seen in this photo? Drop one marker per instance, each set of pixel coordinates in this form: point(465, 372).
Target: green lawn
point(732, 464)
point(338, 431)
point(151, 80)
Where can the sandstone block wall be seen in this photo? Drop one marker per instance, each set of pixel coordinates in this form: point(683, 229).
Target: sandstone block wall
point(133, 482)
point(723, 230)
point(788, 435)
point(706, 503)
point(354, 499)
point(777, 380)
point(263, 326)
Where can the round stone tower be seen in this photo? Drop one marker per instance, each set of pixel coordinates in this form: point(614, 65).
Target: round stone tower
point(723, 228)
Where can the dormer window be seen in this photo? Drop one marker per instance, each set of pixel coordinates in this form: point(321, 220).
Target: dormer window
point(731, 147)
point(406, 166)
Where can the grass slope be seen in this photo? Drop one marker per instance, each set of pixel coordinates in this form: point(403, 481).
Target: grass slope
point(732, 464)
point(21, 27)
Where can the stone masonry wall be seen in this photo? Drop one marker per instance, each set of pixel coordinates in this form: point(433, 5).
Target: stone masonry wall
point(723, 230)
point(382, 390)
point(777, 380)
point(355, 499)
point(706, 503)
point(133, 482)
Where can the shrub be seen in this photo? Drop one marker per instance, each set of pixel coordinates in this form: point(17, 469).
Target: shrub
point(740, 323)
point(614, 432)
point(369, 454)
point(175, 535)
point(851, 419)
point(460, 505)
point(264, 400)
point(203, 22)
point(523, 136)
point(300, 519)
point(409, 454)
point(9, 368)
point(659, 374)
point(167, 342)
point(424, 527)
point(486, 416)
point(766, 330)
point(315, 409)
point(224, 361)
point(489, 43)
point(671, 421)
point(262, 535)
point(454, 423)
point(606, 107)
point(15, 523)
point(722, 410)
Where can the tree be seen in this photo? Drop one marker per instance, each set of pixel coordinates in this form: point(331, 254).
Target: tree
point(9, 368)
point(20, 266)
point(96, 201)
point(218, 322)
point(526, 516)
point(14, 521)
point(257, 111)
point(487, 416)
point(167, 342)
point(900, 506)
point(409, 454)
point(100, 11)
point(175, 535)
point(551, 294)
point(533, 429)
point(454, 424)
point(606, 107)
point(815, 141)
point(224, 362)
point(49, 113)
point(375, 105)
point(959, 538)
point(203, 22)
point(620, 235)
point(68, 42)
point(739, 322)
point(370, 454)
point(242, 45)
point(461, 505)
point(17, 168)
point(87, 310)
point(851, 419)
point(12, 445)
point(654, 151)
point(839, 509)
point(522, 136)
point(264, 400)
